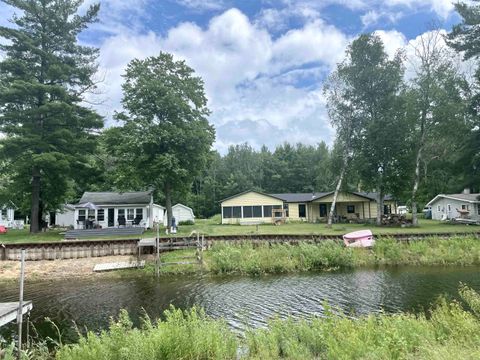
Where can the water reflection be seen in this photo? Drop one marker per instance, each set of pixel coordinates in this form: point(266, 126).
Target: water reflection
point(242, 301)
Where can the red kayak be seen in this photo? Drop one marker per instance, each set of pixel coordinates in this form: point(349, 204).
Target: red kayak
point(362, 238)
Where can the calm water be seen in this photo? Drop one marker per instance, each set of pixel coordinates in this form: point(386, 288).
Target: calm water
point(242, 301)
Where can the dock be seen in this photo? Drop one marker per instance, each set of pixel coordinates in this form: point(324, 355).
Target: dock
point(9, 311)
point(119, 265)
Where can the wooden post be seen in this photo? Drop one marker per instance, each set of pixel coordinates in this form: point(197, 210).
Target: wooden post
point(157, 249)
point(20, 306)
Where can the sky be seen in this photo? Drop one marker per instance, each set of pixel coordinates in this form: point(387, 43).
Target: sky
point(263, 61)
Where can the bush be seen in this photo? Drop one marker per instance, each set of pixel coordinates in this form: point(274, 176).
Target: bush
point(186, 222)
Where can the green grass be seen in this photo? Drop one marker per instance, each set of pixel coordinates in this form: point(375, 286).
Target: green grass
point(448, 331)
point(250, 258)
point(213, 227)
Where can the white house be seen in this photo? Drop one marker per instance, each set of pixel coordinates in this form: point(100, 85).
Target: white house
point(65, 217)
point(112, 209)
point(452, 206)
point(7, 216)
point(181, 213)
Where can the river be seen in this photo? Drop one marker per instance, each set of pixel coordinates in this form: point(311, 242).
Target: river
point(242, 301)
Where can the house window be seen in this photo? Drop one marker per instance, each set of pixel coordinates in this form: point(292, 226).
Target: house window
point(237, 212)
point(267, 210)
point(130, 214)
point(91, 214)
point(478, 209)
point(81, 214)
point(121, 213)
point(227, 212)
point(449, 207)
point(257, 211)
point(302, 210)
point(438, 208)
point(323, 210)
point(3, 214)
point(387, 209)
point(139, 214)
point(101, 215)
point(464, 207)
point(350, 209)
point(247, 212)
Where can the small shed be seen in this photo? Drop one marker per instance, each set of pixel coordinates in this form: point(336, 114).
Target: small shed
point(181, 213)
point(65, 217)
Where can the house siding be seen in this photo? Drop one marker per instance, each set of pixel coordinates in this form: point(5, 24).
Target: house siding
point(455, 204)
point(249, 199)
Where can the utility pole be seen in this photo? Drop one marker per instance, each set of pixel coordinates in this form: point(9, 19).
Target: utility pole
point(20, 306)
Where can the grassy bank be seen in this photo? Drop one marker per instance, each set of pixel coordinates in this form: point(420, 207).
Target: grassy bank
point(448, 331)
point(261, 258)
point(213, 227)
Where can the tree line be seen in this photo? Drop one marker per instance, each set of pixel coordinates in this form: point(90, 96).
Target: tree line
point(406, 125)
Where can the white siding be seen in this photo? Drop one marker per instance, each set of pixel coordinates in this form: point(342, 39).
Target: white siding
point(444, 206)
point(65, 217)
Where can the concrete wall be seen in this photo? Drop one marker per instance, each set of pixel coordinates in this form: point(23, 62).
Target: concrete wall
point(69, 250)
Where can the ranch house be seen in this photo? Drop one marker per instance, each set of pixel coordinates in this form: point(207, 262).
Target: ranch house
point(252, 207)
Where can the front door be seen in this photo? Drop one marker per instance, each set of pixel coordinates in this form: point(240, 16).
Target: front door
point(111, 217)
point(323, 210)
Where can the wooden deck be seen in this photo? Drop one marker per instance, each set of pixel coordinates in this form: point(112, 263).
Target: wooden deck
point(119, 265)
point(9, 311)
point(108, 232)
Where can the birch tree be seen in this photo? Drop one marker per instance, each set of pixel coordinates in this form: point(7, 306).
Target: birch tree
point(438, 104)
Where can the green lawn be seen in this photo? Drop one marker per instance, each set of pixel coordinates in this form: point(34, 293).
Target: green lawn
point(213, 227)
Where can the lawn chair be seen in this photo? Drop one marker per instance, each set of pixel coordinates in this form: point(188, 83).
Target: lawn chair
point(136, 221)
point(122, 221)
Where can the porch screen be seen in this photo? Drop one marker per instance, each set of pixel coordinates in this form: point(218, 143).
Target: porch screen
point(227, 212)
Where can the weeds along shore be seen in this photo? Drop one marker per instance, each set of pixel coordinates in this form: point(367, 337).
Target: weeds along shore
point(450, 330)
point(249, 258)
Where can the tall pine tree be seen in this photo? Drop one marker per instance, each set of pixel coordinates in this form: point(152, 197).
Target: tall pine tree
point(43, 80)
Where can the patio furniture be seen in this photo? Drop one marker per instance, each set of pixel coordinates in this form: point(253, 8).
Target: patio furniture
point(136, 221)
point(122, 221)
point(81, 223)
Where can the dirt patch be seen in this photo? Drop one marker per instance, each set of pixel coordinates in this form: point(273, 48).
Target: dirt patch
point(58, 269)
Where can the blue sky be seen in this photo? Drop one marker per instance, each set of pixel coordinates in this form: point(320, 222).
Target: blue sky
point(263, 61)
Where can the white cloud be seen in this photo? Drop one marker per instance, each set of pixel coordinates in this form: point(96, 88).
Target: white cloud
point(441, 7)
point(393, 41)
point(251, 79)
point(203, 4)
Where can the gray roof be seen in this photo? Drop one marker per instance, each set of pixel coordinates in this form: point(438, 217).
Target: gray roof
point(307, 197)
point(465, 197)
point(116, 198)
point(300, 197)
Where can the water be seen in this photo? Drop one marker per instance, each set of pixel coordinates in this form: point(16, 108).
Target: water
point(242, 301)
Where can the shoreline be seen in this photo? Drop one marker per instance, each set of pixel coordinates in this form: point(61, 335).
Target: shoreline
point(60, 269)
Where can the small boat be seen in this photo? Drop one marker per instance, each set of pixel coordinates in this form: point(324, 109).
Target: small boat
point(3, 229)
point(362, 238)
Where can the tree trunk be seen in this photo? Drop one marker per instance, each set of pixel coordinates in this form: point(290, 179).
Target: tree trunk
point(335, 194)
point(417, 171)
point(415, 187)
point(35, 209)
point(168, 204)
point(380, 206)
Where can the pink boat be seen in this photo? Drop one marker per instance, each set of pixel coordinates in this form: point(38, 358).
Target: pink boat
point(362, 238)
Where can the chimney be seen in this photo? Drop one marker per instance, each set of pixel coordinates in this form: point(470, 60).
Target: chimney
point(466, 191)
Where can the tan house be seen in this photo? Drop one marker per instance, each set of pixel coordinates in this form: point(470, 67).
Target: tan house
point(252, 207)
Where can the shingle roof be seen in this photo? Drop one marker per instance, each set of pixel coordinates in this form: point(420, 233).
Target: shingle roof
point(465, 197)
point(101, 198)
point(300, 197)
